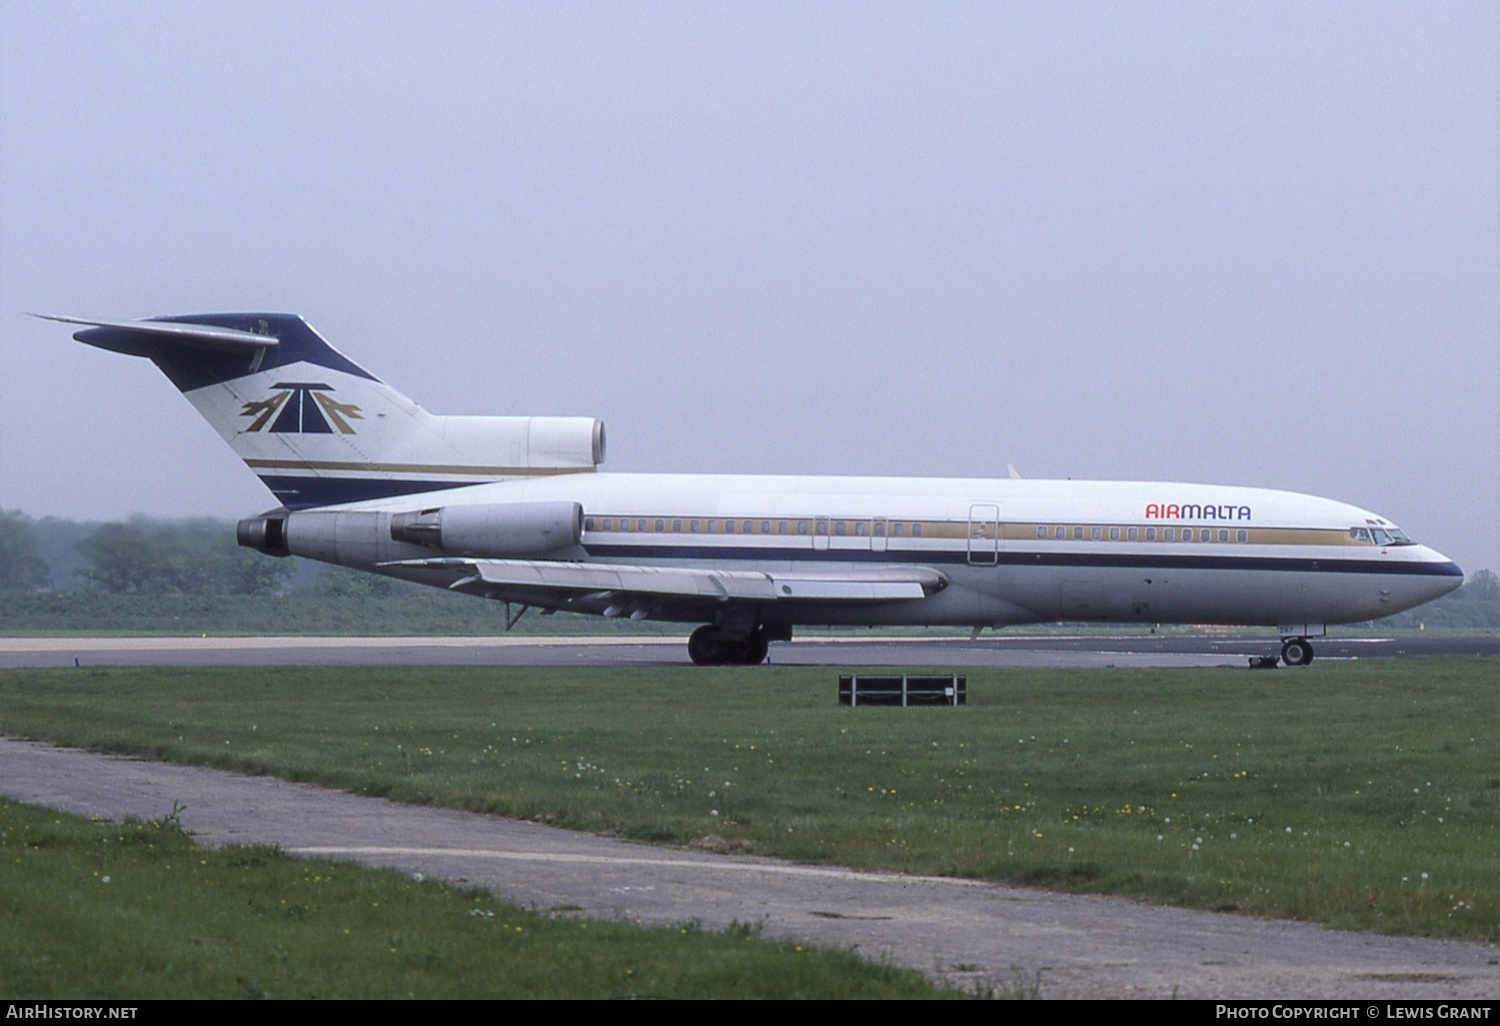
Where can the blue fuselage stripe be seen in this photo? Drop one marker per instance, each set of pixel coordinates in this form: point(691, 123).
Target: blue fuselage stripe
point(1131, 561)
point(309, 492)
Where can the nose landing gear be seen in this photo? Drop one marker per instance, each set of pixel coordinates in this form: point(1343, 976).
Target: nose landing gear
point(1296, 651)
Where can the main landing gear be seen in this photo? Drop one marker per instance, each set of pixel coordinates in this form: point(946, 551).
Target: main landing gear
point(1296, 651)
point(710, 646)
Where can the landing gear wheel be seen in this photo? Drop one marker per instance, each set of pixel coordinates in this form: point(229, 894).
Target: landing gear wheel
point(708, 646)
point(705, 647)
point(1296, 652)
point(757, 648)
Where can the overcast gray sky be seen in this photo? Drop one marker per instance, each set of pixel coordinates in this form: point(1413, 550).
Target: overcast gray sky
point(1235, 243)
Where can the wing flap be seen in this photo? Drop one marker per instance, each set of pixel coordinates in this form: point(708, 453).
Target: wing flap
point(612, 582)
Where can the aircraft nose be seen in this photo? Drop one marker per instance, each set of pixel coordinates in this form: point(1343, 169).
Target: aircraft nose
point(1447, 576)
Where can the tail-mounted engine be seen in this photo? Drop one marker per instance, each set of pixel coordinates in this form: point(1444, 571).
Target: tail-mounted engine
point(506, 529)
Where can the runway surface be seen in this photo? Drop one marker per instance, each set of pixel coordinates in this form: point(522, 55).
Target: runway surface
point(509, 650)
point(961, 932)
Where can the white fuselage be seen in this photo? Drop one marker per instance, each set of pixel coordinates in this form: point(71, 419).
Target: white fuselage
point(1013, 551)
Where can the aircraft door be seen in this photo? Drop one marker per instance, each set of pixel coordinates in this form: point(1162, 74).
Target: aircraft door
point(850, 536)
point(820, 534)
point(984, 534)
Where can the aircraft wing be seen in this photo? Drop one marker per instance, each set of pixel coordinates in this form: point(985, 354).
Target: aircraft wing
point(621, 589)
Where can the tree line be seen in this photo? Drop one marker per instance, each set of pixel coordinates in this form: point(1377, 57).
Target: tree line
point(134, 557)
point(158, 558)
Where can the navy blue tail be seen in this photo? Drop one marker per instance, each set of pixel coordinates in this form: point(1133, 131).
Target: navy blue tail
point(197, 365)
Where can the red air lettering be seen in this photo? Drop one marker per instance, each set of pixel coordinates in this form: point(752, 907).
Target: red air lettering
point(1172, 511)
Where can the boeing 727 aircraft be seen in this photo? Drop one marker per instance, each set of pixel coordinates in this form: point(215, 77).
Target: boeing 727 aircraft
point(515, 509)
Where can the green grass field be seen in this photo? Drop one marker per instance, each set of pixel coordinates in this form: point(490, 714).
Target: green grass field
point(1361, 794)
point(101, 910)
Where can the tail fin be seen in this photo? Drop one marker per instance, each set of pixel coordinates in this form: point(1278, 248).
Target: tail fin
point(319, 429)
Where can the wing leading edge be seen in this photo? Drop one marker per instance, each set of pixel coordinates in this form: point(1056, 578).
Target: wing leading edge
point(178, 332)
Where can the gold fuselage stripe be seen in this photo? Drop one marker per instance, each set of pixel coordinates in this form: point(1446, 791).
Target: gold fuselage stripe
point(959, 530)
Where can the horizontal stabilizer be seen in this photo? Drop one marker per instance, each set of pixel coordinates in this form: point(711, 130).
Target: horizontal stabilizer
point(175, 331)
point(500, 578)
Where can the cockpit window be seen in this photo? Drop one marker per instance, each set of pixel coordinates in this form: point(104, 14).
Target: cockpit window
point(1380, 535)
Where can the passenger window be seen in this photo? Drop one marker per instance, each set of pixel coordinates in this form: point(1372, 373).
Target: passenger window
point(1205, 535)
point(783, 527)
point(661, 525)
point(916, 530)
point(1097, 533)
point(1223, 534)
point(822, 527)
point(1078, 534)
point(840, 529)
point(1167, 534)
point(677, 525)
point(1059, 533)
point(802, 527)
point(898, 529)
point(1151, 534)
point(588, 524)
point(1114, 534)
point(1041, 532)
point(1133, 534)
point(749, 528)
point(765, 526)
point(880, 530)
point(859, 529)
point(1242, 535)
point(728, 526)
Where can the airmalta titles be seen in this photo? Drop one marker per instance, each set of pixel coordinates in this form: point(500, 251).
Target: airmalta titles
point(1189, 511)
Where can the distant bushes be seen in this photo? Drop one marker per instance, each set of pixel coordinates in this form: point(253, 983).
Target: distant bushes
point(190, 577)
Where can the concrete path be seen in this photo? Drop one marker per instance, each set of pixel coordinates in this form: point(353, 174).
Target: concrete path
point(960, 932)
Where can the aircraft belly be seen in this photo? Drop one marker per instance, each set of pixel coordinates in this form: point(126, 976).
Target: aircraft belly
point(1227, 596)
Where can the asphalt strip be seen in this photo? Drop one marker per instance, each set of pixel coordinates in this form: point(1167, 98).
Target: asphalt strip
point(960, 932)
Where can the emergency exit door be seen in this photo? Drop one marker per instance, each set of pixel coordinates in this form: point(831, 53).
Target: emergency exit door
point(984, 534)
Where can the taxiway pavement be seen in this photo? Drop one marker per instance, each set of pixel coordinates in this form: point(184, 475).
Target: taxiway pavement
point(510, 650)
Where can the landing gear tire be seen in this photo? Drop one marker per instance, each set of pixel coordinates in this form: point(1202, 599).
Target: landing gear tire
point(1296, 652)
point(707, 646)
point(757, 648)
